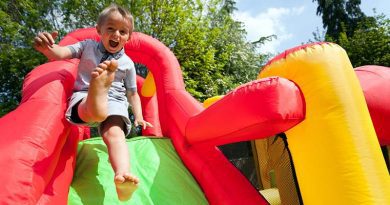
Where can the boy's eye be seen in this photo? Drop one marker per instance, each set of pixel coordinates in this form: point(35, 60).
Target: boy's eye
point(122, 32)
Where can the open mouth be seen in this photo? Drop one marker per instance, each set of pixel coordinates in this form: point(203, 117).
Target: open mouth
point(113, 43)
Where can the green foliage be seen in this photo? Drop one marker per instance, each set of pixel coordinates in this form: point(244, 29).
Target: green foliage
point(340, 16)
point(370, 43)
point(20, 21)
point(209, 44)
point(365, 38)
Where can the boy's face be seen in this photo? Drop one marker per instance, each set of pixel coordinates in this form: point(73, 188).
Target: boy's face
point(114, 31)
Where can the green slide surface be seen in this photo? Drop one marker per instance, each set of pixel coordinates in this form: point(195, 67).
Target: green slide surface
point(163, 177)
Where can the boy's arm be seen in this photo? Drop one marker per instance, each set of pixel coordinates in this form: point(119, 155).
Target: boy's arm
point(44, 43)
point(134, 100)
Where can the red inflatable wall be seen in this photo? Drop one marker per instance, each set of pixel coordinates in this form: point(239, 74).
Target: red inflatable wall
point(36, 141)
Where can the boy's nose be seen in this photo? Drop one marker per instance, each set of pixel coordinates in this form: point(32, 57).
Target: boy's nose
point(116, 33)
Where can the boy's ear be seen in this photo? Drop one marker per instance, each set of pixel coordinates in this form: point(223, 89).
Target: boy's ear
point(98, 29)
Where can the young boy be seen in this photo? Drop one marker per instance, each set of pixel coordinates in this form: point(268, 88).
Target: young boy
point(105, 75)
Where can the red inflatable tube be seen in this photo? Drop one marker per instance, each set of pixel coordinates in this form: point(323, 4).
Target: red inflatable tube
point(375, 82)
point(33, 135)
point(258, 105)
point(56, 191)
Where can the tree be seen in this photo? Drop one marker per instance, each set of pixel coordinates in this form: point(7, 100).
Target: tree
point(366, 39)
point(370, 44)
point(339, 16)
point(210, 46)
point(20, 21)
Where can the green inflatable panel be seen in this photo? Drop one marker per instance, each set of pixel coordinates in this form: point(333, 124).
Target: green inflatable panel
point(163, 177)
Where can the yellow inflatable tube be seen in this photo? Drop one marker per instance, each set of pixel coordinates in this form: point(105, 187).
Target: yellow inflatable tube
point(212, 100)
point(335, 149)
point(149, 87)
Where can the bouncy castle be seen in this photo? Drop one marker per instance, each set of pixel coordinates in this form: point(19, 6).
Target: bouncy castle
point(333, 117)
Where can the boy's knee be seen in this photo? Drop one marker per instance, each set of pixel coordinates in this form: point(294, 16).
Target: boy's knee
point(112, 136)
point(99, 117)
point(93, 115)
point(112, 128)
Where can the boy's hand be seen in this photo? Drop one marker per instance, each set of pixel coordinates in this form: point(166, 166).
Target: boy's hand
point(44, 40)
point(142, 123)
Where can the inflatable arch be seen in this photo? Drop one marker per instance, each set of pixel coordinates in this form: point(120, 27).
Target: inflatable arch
point(335, 149)
point(39, 146)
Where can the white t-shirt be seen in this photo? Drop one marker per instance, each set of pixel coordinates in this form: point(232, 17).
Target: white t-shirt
point(90, 54)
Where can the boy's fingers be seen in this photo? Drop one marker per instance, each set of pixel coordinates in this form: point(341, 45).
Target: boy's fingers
point(37, 41)
point(49, 38)
point(54, 34)
point(147, 124)
point(43, 36)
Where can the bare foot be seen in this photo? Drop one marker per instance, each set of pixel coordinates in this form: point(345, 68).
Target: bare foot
point(104, 74)
point(94, 109)
point(125, 184)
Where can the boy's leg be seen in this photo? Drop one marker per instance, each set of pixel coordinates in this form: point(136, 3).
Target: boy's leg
point(93, 108)
point(114, 138)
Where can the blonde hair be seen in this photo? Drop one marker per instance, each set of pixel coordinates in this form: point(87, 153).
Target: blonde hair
point(115, 8)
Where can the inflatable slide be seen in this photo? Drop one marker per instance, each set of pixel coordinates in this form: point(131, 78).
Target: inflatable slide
point(311, 93)
point(164, 178)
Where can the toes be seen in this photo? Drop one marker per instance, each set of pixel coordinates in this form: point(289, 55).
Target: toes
point(132, 178)
point(103, 65)
point(126, 189)
point(113, 65)
point(119, 179)
point(99, 70)
point(96, 72)
point(110, 66)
